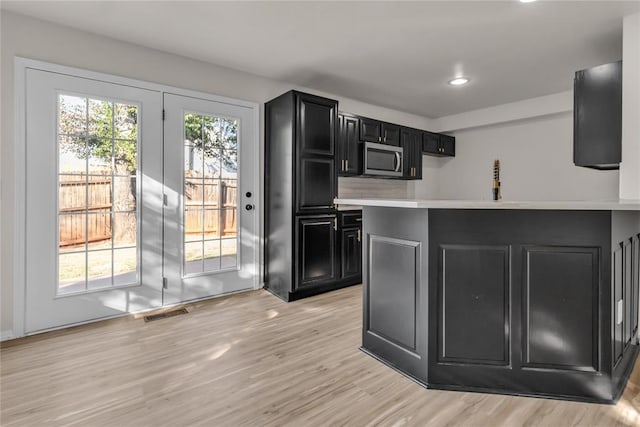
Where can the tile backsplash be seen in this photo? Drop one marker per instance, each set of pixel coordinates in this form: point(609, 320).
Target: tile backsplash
point(372, 187)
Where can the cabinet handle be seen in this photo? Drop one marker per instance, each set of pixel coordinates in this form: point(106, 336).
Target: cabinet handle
point(335, 225)
point(359, 235)
point(379, 139)
point(346, 165)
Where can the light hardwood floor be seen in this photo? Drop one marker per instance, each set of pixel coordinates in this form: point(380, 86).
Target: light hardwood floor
point(250, 359)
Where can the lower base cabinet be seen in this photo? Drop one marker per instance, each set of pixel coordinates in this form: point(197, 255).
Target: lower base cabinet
point(351, 246)
point(350, 253)
point(316, 250)
point(327, 255)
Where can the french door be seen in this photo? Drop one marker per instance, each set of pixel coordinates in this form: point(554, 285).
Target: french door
point(126, 211)
point(210, 223)
point(93, 200)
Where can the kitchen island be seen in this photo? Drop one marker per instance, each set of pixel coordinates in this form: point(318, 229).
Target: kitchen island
point(526, 298)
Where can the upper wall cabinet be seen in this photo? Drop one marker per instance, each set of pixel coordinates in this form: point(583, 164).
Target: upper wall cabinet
point(597, 117)
point(375, 131)
point(438, 145)
point(349, 146)
point(354, 131)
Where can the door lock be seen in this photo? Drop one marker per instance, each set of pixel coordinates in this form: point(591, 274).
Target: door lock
point(249, 207)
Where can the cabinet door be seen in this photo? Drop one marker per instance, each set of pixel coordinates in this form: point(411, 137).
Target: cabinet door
point(316, 125)
point(351, 253)
point(350, 147)
point(316, 184)
point(341, 147)
point(417, 156)
point(316, 250)
point(390, 134)
point(411, 143)
point(431, 143)
point(370, 130)
point(448, 145)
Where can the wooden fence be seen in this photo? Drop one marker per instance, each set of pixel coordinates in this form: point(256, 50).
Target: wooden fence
point(219, 201)
point(74, 195)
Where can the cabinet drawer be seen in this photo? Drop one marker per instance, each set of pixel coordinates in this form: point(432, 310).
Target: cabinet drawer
point(350, 219)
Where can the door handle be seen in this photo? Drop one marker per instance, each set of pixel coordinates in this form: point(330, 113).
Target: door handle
point(397, 162)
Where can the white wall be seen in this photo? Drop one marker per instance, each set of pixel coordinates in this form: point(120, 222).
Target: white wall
point(536, 158)
point(31, 38)
point(630, 166)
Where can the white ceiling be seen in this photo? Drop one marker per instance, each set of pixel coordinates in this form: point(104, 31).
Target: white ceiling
point(394, 54)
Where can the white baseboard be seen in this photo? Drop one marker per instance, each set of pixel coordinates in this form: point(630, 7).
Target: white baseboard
point(6, 335)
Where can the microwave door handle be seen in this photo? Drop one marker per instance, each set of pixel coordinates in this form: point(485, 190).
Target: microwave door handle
point(398, 162)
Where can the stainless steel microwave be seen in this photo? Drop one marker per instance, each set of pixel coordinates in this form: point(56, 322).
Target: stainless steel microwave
point(382, 160)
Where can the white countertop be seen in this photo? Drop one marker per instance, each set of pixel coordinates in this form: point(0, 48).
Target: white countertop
point(613, 205)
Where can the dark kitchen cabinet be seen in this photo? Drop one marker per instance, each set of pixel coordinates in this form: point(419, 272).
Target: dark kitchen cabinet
point(350, 149)
point(376, 131)
point(597, 117)
point(316, 183)
point(351, 250)
point(316, 250)
point(390, 134)
point(438, 144)
point(448, 144)
point(351, 247)
point(316, 124)
point(370, 130)
point(411, 143)
point(302, 256)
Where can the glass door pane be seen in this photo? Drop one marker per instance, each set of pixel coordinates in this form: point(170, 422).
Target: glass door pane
point(97, 194)
point(210, 194)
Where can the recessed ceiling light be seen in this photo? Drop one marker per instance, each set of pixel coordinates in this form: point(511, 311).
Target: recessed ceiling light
point(527, 1)
point(459, 81)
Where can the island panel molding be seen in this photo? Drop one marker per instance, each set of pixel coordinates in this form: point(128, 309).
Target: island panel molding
point(557, 279)
point(566, 277)
point(474, 324)
point(392, 309)
point(390, 295)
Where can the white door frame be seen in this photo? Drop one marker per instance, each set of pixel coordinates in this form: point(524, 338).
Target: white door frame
point(19, 145)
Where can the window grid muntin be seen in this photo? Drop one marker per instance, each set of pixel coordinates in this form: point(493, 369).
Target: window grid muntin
point(189, 148)
point(86, 175)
